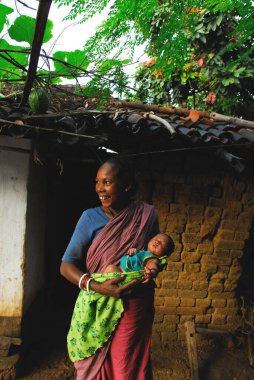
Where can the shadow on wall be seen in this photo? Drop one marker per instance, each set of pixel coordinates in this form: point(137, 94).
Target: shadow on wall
point(246, 282)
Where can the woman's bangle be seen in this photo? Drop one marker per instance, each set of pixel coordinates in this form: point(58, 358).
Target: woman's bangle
point(81, 279)
point(87, 284)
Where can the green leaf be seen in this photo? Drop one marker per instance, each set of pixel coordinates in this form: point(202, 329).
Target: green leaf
point(8, 69)
point(110, 63)
point(22, 30)
point(76, 58)
point(239, 71)
point(219, 19)
point(203, 39)
point(4, 11)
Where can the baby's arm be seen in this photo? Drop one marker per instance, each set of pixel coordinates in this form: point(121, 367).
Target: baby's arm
point(152, 267)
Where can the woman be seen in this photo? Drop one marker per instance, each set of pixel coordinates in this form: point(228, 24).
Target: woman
point(102, 236)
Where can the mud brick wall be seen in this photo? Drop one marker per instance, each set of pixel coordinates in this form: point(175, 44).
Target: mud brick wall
point(208, 211)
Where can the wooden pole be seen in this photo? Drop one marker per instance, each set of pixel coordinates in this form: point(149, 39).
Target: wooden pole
point(234, 120)
point(185, 111)
point(192, 349)
point(155, 108)
point(40, 26)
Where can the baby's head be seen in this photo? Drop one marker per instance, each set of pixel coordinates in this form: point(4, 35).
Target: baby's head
point(161, 245)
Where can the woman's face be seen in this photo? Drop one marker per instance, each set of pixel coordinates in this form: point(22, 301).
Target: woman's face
point(108, 187)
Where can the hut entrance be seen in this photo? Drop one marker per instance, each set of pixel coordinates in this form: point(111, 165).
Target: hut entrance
point(47, 323)
point(68, 196)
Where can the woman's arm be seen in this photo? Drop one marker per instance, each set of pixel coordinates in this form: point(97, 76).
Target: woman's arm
point(70, 272)
point(108, 288)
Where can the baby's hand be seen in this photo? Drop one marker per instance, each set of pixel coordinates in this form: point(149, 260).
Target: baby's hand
point(150, 272)
point(131, 251)
point(148, 275)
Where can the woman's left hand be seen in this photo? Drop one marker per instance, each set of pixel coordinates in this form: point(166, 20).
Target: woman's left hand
point(111, 287)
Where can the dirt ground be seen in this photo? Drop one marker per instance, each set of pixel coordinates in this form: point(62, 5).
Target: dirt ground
point(218, 360)
point(46, 358)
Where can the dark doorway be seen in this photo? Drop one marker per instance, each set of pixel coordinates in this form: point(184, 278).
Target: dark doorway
point(68, 195)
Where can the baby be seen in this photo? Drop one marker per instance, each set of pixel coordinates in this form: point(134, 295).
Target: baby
point(153, 260)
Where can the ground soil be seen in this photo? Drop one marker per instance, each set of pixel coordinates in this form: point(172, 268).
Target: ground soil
point(217, 359)
point(45, 357)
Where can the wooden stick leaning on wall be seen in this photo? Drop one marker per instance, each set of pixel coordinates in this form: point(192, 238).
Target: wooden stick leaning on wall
point(192, 349)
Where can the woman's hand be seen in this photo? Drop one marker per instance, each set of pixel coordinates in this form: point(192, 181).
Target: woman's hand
point(110, 287)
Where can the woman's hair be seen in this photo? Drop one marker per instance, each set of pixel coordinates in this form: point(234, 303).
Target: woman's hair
point(125, 173)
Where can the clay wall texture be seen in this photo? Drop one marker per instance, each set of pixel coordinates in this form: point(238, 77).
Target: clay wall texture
point(208, 211)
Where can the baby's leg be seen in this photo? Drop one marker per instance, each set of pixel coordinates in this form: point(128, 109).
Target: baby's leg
point(112, 268)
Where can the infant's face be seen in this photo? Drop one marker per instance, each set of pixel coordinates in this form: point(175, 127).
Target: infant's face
point(158, 245)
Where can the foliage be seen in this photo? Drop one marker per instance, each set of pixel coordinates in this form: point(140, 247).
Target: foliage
point(200, 46)
point(13, 64)
point(4, 12)
point(212, 66)
point(75, 59)
point(22, 30)
point(9, 68)
point(164, 25)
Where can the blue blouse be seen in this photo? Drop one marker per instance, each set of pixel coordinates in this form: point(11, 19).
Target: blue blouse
point(90, 224)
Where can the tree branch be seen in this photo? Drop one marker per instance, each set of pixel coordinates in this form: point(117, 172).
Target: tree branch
point(25, 5)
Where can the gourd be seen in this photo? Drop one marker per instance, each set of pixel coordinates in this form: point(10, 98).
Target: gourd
point(38, 100)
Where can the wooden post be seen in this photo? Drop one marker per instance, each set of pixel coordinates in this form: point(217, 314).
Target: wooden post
point(40, 26)
point(250, 355)
point(192, 349)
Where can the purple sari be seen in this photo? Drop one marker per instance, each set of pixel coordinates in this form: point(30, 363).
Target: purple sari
point(127, 355)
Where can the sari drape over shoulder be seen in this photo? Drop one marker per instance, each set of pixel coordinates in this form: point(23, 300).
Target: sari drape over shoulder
point(126, 355)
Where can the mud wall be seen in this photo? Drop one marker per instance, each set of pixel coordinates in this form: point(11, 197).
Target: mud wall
point(21, 233)
point(208, 210)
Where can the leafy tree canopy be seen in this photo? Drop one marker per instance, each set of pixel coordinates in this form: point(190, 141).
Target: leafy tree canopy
point(199, 48)
point(165, 26)
point(75, 64)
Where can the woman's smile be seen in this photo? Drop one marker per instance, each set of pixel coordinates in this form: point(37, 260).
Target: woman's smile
point(103, 197)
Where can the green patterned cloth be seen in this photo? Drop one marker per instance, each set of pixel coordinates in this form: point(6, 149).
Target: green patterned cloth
point(95, 317)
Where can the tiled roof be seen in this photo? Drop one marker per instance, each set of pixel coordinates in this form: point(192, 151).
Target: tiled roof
point(121, 129)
